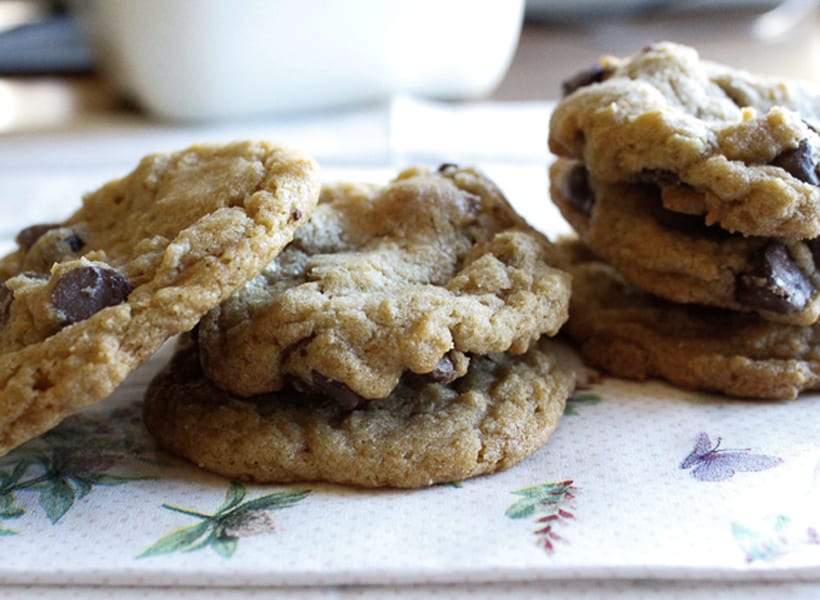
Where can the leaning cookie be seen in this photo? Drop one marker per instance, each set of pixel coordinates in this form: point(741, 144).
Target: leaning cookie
point(417, 277)
point(503, 410)
point(83, 302)
point(736, 150)
point(633, 335)
point(677, 257)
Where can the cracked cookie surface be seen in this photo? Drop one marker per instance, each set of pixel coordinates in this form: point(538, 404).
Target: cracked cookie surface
point(676, 256)
point(737, 150)
point(85, 301)
point(634, 335)
point(501, 411)
point(413, 278)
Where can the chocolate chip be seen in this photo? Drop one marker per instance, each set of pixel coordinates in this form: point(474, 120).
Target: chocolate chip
point(74, 243)
point(675, 219)
point(445, 167)
point(690, 225)
point(776, 283)
point(82, 292)
point(799, 163)
point(28, 236)
point(337, 391)
point(444, 372)
point(594, 74)
point(576, 189)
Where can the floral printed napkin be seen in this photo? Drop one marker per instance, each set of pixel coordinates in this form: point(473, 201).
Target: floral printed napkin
point(641, 481)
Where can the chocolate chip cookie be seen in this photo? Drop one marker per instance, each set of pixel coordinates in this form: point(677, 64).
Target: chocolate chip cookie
point(678, 257)
point(736, 150)
point(502, 410)
point(85, 301)
point(412, 279)
point(631, 334)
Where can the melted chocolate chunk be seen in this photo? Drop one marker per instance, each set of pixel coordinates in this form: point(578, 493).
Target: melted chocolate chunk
point(444, 373)
point(337, 391)
point(690, 225)
point(576, 189)
point(776, 283)
point(82, 292)
point(800, 163)
point(594, 74)
point(74, 242)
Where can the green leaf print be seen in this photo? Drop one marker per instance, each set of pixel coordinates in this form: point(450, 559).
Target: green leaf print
point(234, 496)
point(549, 500)
point(273, 501)
point(8, 509)
point(221, 531)
point(224, 546)
point(56, 497)
point(65, 464)
point(772, 537)
point(580, 399)
point(179, 540)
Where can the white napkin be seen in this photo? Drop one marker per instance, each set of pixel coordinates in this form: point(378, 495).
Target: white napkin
point(607, 498)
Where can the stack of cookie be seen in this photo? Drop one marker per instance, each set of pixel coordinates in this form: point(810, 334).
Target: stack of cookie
point(693, 189)
point(376, 336)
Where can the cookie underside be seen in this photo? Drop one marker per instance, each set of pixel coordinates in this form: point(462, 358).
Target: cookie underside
point(190, 251)
point(502, 411)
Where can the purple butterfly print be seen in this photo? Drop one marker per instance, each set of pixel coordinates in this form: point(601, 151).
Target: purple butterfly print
point(712, 463)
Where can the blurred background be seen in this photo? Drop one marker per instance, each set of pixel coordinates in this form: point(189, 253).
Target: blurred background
point(64, 62)
point(780, 39)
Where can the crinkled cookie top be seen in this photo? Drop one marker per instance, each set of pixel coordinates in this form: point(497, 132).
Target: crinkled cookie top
point(410, 279)
point(748, 146)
